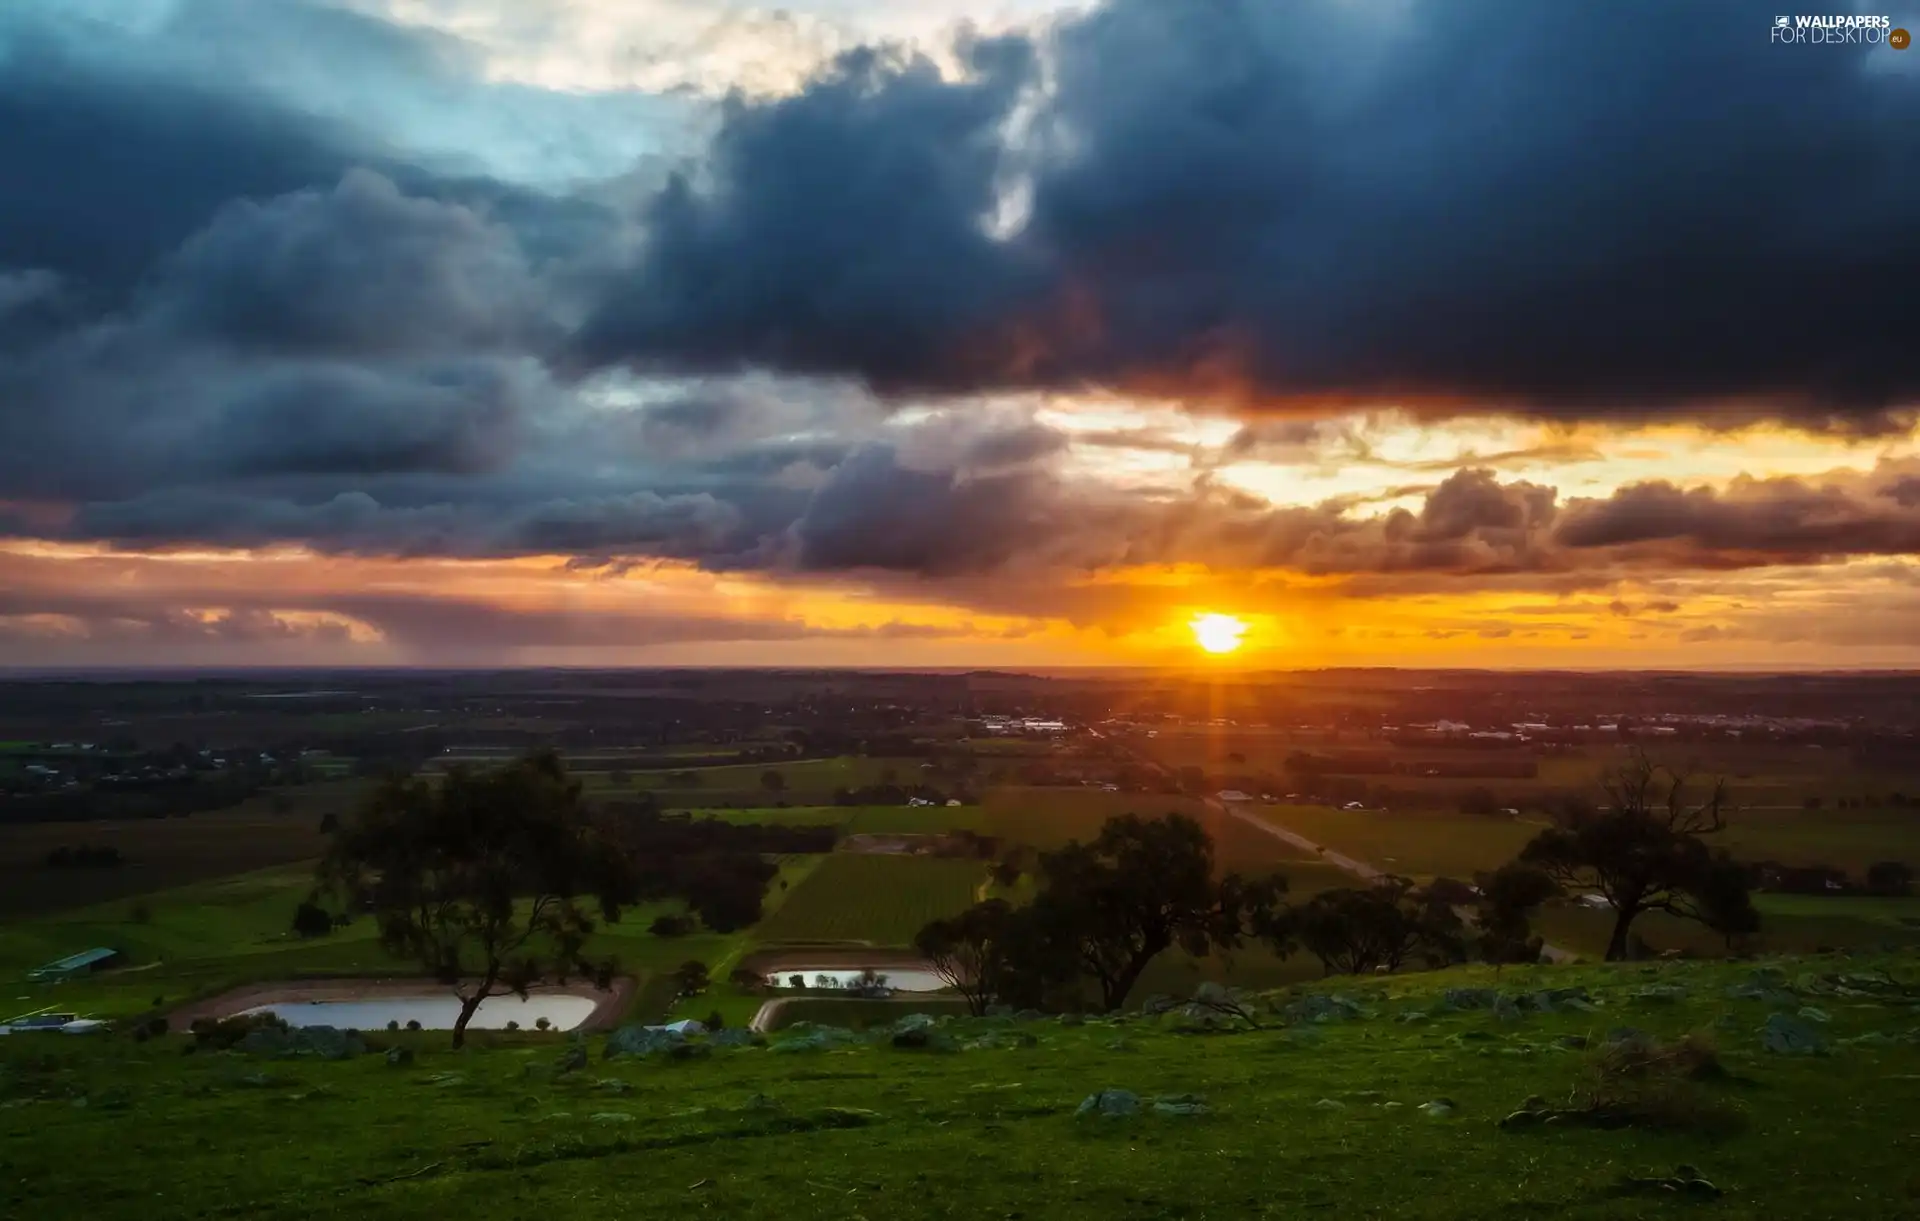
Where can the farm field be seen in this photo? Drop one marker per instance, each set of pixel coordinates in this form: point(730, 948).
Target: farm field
point(880, 899)
point(1049, 817)
point(1420, 846)
point(1844, 839)
point(269, 829)
point(1789, 924)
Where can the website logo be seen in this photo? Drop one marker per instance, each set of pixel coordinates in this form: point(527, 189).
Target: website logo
point(1839, 31)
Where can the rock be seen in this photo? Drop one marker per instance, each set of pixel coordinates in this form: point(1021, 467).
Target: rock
point(1811, 1014)
point(737, 1036)
point(399, 1057)
point(1787, 1035)
point(1629, 1036)
point(1329, 1104)
point(1505, 1010)
point(1157, 1004)
point(1439, 1108)
point(805, 1038)
point(909, 1039)
point(1558, 1000)
point(1469, 998)
point(641, 1041)
point(689, 1051)
point(1029, 1015)
point(613, 1085)
point(1764, 984)
point(1411, 1015)
point(321, 1042)
point(1322, 1009)
point(1181, 1104)
point(611, 1117)
point(1523, 1119)
point(572, 1060)
point(913, 1022)
point(1392, 1106)
point(1109, 1104)
point(1072, 1019)
point(1661, 994)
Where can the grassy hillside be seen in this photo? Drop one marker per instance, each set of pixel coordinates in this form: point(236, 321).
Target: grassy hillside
point(1304, 1118)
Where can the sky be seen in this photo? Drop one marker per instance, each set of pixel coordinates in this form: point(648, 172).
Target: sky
point(679, 332)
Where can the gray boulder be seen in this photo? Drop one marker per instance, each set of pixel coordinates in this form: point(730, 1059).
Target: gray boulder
point(736, 1036)
point(1157, 1004)
point(1322, 1009)
point(572, 1060)
point(1109, 1104)
point(1181, 1104)
point(1470, 998)
point(1787, 1035)
point(399, 1057)
point(642, 1041)
point(319, 1042)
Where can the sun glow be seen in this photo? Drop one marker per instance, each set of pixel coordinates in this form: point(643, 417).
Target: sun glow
point(1217, 633)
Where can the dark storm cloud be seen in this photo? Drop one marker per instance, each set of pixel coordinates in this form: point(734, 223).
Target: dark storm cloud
point(1571, 209)
point(1751, 523)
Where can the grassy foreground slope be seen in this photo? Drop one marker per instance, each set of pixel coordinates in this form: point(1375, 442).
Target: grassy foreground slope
point(1300, 1120)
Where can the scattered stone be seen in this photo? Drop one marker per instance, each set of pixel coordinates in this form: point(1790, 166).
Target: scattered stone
point(1660, 994)
point(689, 1051)
point(737, 1036)
point(1469, 998)
point(399, 1057)
point(1767, 984)
point(1072, 1019)
point(1684, 1181)
point(1109, 1104)
point(572, 1060)
point(1439, 1108)
point(1524, 1118)
point(321, 1042)
point(1157, 1004)
point(1787, 1035)
point(1029, 1015)
point(613, 1085)
point(1323, 1009)
point(913, 1022)
point(1411, 1015)
point(1629, 1036)
point(610, 1117)
point(1181, 1104)
point(1329, 1104)
point(641, 1041)
point(1505, 1010)
point(1120, 1045)
point(1812, 1014)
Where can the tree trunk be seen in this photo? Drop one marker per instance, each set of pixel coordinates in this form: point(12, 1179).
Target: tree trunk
point(1617, 945)
point(468, 1007)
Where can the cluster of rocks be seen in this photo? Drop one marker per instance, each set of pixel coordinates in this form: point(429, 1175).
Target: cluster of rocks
point(291, 1042)
point(1121, 1104)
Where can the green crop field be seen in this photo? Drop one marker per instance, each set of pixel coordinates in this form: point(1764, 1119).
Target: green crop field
point(1789, 924)
point(1417, 845)
point(905, 820)
point(1844, 839)
point(1300, 1119)
point(880, 899)
point(1049, 817)
point(270, 829)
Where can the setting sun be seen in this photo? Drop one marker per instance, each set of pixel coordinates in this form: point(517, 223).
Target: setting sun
point(1218, 633)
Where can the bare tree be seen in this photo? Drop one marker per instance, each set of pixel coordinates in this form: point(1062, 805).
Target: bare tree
point(1645, 852)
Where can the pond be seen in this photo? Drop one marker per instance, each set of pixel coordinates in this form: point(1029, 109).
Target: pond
point(900, 979)
point(434, 1012)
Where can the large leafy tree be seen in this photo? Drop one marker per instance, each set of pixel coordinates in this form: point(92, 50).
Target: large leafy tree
point(1140, 888)
point(1647, 850)
point(969, 951)
point(490, 880)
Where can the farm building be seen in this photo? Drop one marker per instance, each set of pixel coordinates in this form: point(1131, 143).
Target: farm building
point(75, 965)
point(1233, 795)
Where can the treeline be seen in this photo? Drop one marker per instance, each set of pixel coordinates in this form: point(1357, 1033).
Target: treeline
point(1884, 879)
point(158, 797)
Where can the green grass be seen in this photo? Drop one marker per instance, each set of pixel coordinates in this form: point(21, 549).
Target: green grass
point(882, 900)
point(1845, 839)
point(876, 1132)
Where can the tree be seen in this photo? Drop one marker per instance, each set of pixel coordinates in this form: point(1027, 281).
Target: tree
point(312, 920)
point(1141, 887)
point(1644, 852)
point(746, 979)
point(1504, 912)
point(969, 951)
point(1357, 930)
point(329, 823)
point(773, 781)
point(692, 977)
point(1890, 879)
point(486, 879)
point(1724, 900)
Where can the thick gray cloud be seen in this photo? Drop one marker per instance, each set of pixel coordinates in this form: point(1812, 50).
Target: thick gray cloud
point(1570, 209)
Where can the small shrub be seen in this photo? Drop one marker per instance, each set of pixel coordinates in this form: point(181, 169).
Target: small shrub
point(716, 1021)
point(157, 1025)
point(1646, 1083)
